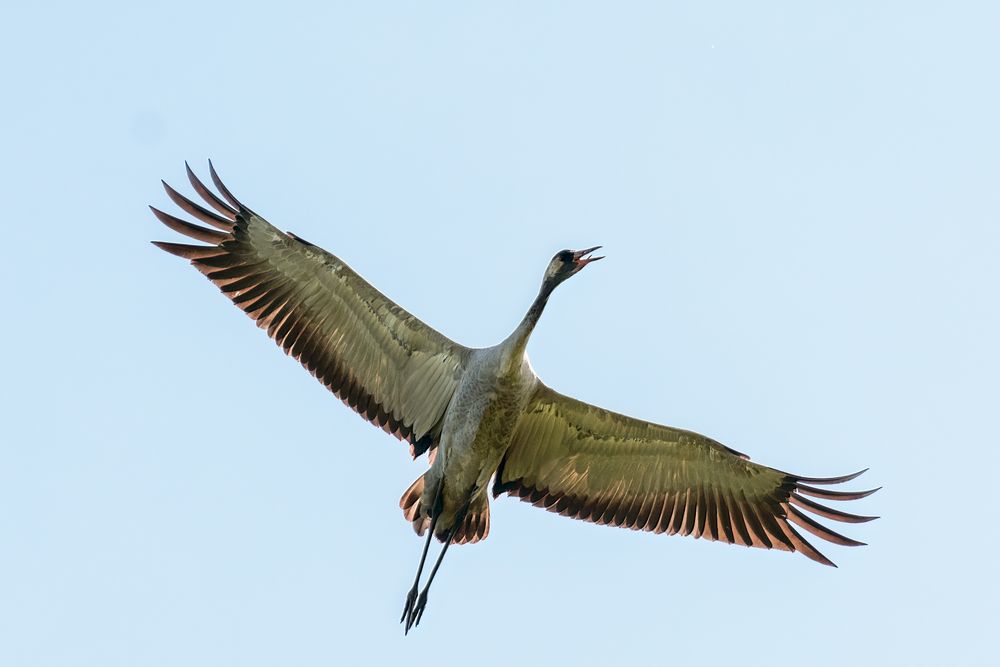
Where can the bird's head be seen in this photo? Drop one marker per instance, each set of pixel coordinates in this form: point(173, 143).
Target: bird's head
point(567, 263)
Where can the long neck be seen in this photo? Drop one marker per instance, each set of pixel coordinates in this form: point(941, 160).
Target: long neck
point(520, 335)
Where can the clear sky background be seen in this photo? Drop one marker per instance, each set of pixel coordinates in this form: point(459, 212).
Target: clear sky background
point(801, 213)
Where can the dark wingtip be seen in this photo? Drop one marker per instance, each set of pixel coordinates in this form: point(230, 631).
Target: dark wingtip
point(830, 480)
point(191, 252)
point(198, 211)
point(213, 200)
point(803, 545)
point(188, 229)
point(834, 495)
point(818, 529)
point(173, 248)
point(828, 512)
point(223, 189)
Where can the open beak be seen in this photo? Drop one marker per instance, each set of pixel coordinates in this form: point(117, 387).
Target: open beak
point(581, 260)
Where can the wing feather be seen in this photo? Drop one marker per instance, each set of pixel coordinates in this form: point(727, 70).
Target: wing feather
point(592, 464)
point(393, 369)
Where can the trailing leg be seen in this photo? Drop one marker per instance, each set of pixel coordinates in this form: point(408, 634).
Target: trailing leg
point(417, 612)
point(411, 596)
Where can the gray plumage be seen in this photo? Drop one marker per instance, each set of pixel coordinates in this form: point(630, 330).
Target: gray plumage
point(482, 415)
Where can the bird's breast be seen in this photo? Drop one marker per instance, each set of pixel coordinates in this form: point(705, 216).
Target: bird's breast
point(479, 425)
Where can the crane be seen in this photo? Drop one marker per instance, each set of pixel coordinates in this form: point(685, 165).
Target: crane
point(486, 422)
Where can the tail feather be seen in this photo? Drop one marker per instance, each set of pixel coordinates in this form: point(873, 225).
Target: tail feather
point(475, 526)
point(410, 504)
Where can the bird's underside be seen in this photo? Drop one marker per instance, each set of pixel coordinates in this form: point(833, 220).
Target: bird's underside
point(569, 457)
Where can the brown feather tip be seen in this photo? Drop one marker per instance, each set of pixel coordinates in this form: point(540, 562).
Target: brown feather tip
point(209, 196)
point(830, 480)
point(191, 252)
point(196, 232)
point(834, 495)
point(198, 211)
point(223, 189)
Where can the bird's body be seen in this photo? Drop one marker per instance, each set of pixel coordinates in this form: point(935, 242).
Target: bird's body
point(477, 430)
point(483, 415)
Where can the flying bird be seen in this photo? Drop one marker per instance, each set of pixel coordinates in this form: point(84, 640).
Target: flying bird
point(487, 423)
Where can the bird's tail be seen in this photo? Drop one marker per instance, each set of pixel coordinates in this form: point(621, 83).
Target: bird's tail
point(474, 527)
point(410, 504)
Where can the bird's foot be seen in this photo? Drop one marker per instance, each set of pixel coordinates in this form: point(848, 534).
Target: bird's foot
point(411, 599)
point(416, 611)
point(413, 610)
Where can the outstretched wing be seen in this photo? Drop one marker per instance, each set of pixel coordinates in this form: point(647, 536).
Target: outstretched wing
point(587, 463)
point(383, 362)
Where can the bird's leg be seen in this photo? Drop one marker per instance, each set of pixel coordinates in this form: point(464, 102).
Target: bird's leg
point(411, 596)
point(418, 610)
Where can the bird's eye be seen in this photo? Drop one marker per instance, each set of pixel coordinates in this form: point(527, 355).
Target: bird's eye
point(565, 256)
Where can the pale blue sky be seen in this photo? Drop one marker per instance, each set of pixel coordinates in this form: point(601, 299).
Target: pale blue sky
point(799, 204)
